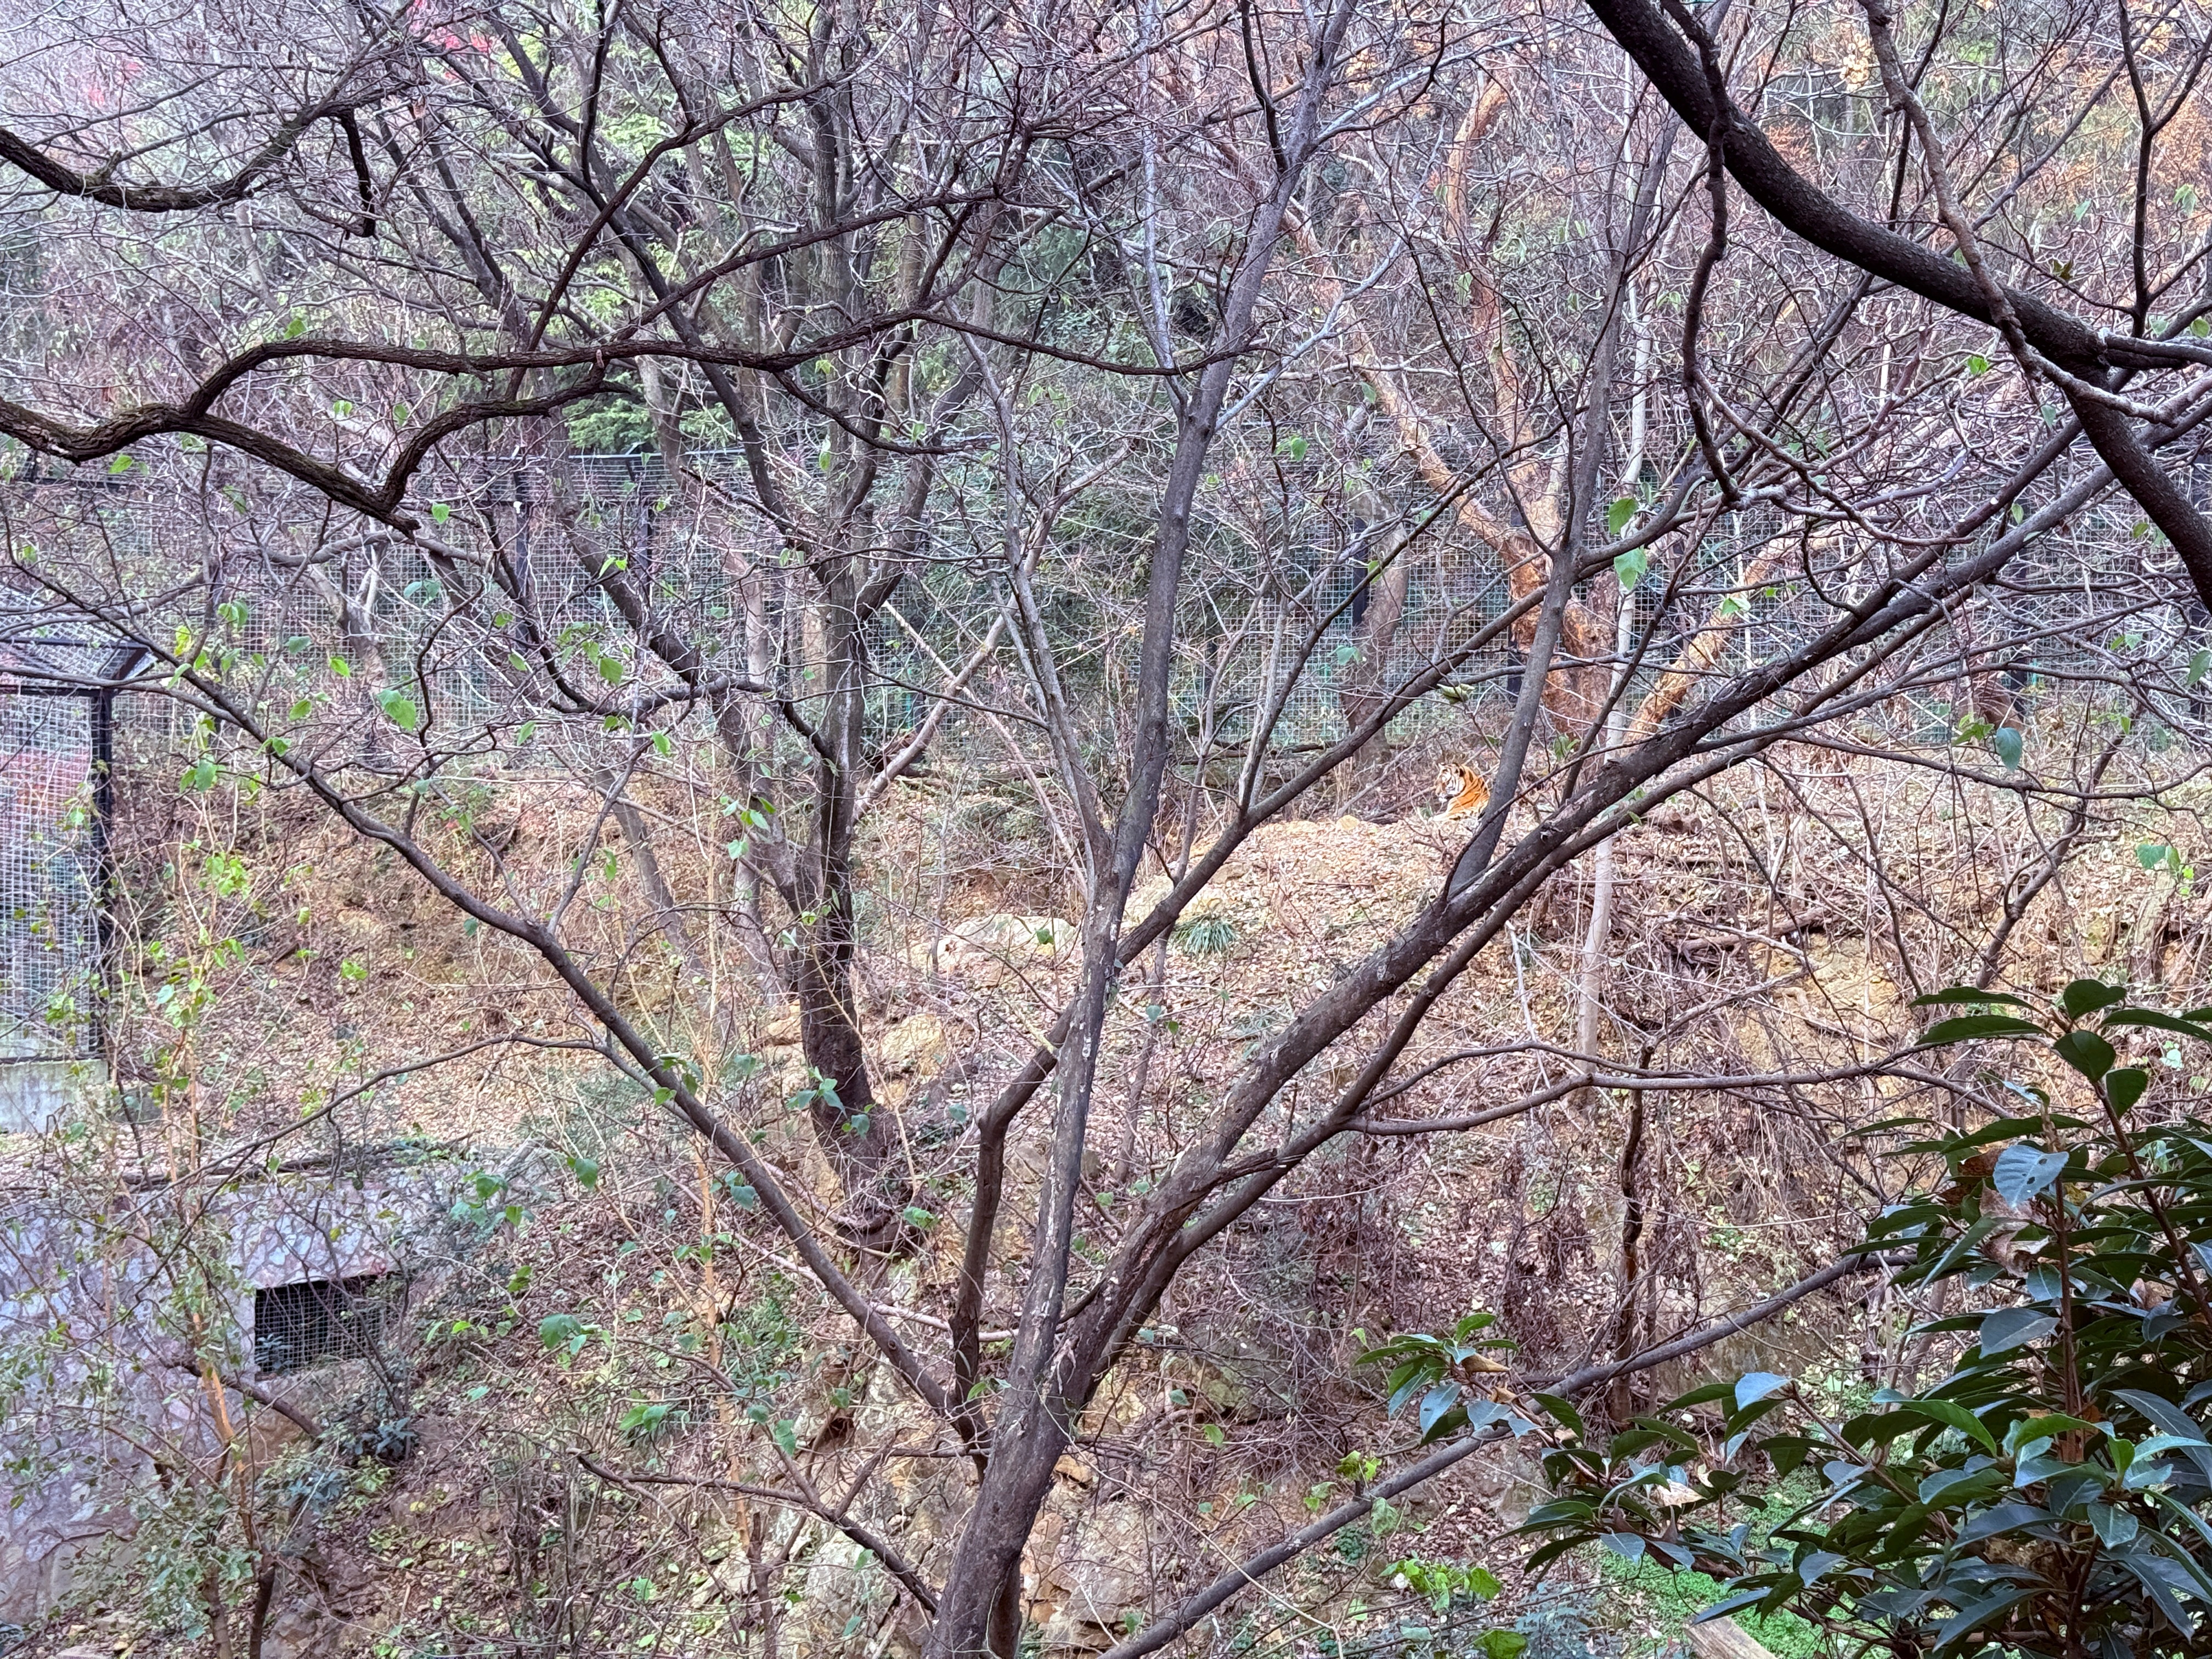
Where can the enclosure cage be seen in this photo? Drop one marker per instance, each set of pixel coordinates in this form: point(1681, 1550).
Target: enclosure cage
point(57, 725)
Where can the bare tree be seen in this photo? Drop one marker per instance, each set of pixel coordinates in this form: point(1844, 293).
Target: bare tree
point(821, 271)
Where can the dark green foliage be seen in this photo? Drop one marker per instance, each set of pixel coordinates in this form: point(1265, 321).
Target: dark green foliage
point(2045, 1498)
point(1434, 1367)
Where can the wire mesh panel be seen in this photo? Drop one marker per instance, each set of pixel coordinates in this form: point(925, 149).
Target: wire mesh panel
point(318, 1321)
point(50, 938)
point(1284, 569)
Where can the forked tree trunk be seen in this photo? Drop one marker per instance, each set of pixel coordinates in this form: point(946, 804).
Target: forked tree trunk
point(1049, 1376)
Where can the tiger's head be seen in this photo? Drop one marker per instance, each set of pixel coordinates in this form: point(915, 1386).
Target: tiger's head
point(1460, 790)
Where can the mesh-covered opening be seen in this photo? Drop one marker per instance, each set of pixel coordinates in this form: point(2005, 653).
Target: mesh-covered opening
point(318, 1321)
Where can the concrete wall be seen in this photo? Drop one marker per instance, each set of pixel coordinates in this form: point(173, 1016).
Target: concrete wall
point(38, 1094)
point(95, 1294)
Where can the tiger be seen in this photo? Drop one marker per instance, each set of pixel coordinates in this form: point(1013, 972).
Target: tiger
point(1462, 792)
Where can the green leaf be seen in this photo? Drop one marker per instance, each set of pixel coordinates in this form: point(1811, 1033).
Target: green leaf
point(1978, 364)
point(786, 1435)
point(1962, 1247)
point(1722, 1609)
point(2007, 743)
point(2025, 1430)
point(2113, 1527)
point(440, 512)
point(1754, 1386)
point(2024, 1172)
point(1212, 1434)
point(1968, 994)
point(610, 670)
point(1956, 1489)
point(2153, 1020)
point(1703, 1395)
point(2201, 664)
point(2152, 853)
point(2009, 1328)
point(1970, 1028)
point(1628, 567)
point(1618, 516)
point(342, 668)
point(1435, 1403)
point(587, 1171)
point(2126, 1087)
point(1502, 1644)
point(1788, 1452)
point(1976, 1613)
point(1951, 1415)
point(2087, 1052)
point(2085, 996)
point(642, 1422)
point(400, 708)
point(1559, 1513)
point(1878, 1428)
point(1678, 1437)
point(2173, 1421)
point(1550, 1552)
point(1562, 1412)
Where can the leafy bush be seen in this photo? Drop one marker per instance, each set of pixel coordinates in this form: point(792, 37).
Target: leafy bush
point(2046, 1496)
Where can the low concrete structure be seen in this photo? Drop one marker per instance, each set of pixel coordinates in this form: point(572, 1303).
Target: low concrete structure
point(162, 1321)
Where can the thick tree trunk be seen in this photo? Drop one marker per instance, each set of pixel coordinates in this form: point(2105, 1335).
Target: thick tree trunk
point(852, 1129)
point(1053, 1371)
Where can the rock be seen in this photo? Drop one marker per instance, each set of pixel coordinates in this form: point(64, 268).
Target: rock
point(361, 926)
point(1101, 1574)
point(916, 1043)
point(1030, 935)
point(980, 948)
point(298, 1633)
